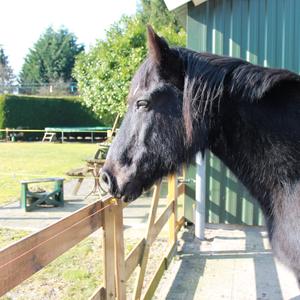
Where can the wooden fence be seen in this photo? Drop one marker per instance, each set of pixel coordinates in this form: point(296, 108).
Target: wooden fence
point(29, 255)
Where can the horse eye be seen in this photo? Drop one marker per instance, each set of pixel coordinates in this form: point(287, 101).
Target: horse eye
point(142, 103)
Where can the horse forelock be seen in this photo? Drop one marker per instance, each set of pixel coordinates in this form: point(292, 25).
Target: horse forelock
point(141, 79)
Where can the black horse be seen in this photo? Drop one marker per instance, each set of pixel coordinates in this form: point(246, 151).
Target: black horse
point(182, 102)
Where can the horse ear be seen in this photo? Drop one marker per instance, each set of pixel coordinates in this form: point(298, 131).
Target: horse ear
point(168, 61)
point(158, 47)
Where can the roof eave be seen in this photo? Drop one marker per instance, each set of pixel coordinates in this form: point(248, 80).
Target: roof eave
point(174, 4)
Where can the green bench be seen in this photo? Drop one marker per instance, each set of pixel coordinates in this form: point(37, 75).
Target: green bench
point(31, 199)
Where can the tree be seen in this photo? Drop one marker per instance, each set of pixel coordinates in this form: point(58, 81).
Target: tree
point(7, 77)
point(51, 59)
point(104, 73)
point(155, 12)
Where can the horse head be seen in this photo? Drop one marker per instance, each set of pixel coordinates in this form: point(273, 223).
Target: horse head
point(151, 140)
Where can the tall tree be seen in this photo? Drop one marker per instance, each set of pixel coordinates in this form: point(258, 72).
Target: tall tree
point(6, 73)
point(104, 73)
point(51, 59)
point(156, 13)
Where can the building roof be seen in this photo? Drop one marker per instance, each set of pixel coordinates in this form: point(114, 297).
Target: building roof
point(173, 4)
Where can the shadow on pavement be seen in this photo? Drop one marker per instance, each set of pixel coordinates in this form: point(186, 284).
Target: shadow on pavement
point(194, 261)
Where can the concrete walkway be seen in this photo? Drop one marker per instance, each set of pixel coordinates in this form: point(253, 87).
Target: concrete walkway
point(13, 216)
point(234, 262)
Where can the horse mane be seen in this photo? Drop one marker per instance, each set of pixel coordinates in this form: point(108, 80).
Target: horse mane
point(210, 78)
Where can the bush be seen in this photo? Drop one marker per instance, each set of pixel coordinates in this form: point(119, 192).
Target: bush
point(29, 112)
point(105, 71)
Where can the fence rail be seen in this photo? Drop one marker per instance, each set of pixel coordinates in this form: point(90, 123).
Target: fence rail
point(43, 130)
point(24, 258)
point(12, 134)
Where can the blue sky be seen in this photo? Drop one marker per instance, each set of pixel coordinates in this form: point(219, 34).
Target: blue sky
point(23, 21)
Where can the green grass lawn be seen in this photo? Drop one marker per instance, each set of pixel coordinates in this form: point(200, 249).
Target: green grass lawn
point(74, 275)
point(22, 161)
point(77, 273)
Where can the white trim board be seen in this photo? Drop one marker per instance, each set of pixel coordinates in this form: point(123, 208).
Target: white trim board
point(173, 4)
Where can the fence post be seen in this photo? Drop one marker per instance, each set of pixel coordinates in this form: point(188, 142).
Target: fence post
point(7, 134)
point(109, 253)
point(119, 252)
point(148, 241)
point(172, 196)
point(200, 196)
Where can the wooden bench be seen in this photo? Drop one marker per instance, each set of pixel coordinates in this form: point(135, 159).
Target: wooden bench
point(31, 200)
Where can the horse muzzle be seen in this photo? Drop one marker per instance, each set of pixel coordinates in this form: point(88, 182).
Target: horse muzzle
point(107, 183)
point(127, 192)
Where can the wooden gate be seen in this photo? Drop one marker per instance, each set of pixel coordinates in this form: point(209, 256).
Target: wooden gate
point(29, 255)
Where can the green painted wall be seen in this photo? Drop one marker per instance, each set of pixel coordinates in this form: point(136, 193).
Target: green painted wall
point(264, 32)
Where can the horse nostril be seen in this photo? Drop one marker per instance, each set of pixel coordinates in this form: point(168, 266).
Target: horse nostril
point(105, 178)
point(105, 181)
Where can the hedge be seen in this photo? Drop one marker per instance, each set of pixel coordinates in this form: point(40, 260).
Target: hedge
point(32, 112)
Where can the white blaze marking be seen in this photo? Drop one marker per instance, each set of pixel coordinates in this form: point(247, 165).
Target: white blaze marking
point(136, 89)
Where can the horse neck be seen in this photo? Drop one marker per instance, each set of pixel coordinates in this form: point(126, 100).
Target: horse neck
point(207, 94)
point(217, 124)
point(242, 151)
